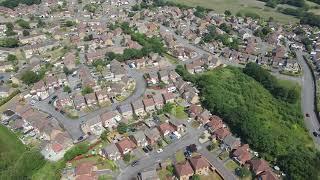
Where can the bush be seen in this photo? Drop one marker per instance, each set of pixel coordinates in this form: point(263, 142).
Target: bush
point(9, 42)
point(76, 151)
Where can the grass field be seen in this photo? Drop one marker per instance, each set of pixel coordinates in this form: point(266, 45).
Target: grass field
point(11, 147)
point(242, 6)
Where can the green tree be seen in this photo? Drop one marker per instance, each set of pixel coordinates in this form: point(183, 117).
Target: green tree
point(23, 24)
point(66, 89)
point(195, 177)
point(122, 128)
point(9, 42)
point(29, 77)
point(104, 135)
point(76, 150)
point(227, 13)
point(87, 90)
point(25, 33)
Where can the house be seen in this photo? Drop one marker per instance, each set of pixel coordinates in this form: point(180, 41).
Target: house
point(63, 100)
point(190, 95)
point(125, 146)
point(93, 126)
point(158, 100)
point(86, 170)
point(91, 99)
point(69, 60)
point(168, 97)
point(177, 125)
point(214, 124)
point(110, 119)
point(221, 133)
point(79, 102)
point(267, 175)
point(149, 104)
point(152, 78)
point(153, 135)
point(230, 142)
point(194, 110)
point(111, 152)
point(183, 170)
point(204, 117)
point(200, 165)
point(103, 97)
point(138, 108)
point(165, 129)
point(149, 175)
point(39, 88)
point(139, 139)
point(241, 154)
point(164, 76)
point(125, 110)
point(258, 166)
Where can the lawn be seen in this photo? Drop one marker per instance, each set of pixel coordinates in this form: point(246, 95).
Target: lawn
point(231, 165)
point(100, 163)
point(242, 6)
point(224, 155)
point(50, 171)
point(171, 59)
point(11, 147)
point(211, 176)
point(178, 112)
point(180, 156)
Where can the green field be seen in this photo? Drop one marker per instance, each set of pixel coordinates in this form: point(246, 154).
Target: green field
point(11, 148)
point(242, 6)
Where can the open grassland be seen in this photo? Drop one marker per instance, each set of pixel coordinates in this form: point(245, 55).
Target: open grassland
point(242, 6)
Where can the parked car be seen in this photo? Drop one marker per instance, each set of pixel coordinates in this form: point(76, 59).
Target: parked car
point(149, 147)
point(145, 150)
point(160, 150)
point(54, 97)
point(315, 134)
point(307, 115)
point(50, 102)
point(134, 163)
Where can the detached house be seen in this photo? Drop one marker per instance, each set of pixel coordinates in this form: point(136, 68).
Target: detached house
point(158, 100)
point(183, 170)
point(214, 124)
point(230, 142)
point(125, 146)
point(125, 110)
point(110, 119)
point(165, 129)
point(168, 97)
point(40, 89)
point(139, 139)
point(91, 99)
point(200, 165)
point(111, 152)
point(241, 154)
point(153, 135)
point(102, 97)
point(221, 133)
point(79, 102)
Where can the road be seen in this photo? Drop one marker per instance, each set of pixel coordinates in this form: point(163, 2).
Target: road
point(154, 158)
point(73, 125)
point(308, 100)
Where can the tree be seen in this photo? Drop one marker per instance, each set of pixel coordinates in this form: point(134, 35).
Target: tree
point(87, 90)
point(41, 23)
point(104, 135)
point(127, 157)
point(195, 177)
point(9, 42)
point(122, 128)
point(243, 172)
point(76, 150)
point(66, 89)
point(227, 13)
point(170, 168)
point(25, 33)
point(29, 77)
point(23, 24)
point(66, 71)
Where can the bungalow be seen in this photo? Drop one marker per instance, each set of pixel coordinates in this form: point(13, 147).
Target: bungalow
point(125, 110)
point(152, 78)
point(139, 139)
point(110, 119)
point(125, 146)
point(149, 104)
point(183, 170)
point(153, 135)
point(165, 129)
point(241, 154)
point(111, 152)
point(91, 99)
point(230, 142)
point(200, 165)
point(138, 108)
point(168, 97)
point(79, 102)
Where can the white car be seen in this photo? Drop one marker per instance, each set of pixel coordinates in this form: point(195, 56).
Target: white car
point(159, 150)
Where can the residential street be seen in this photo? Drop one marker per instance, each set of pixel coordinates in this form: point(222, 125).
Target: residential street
point(307, 96)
